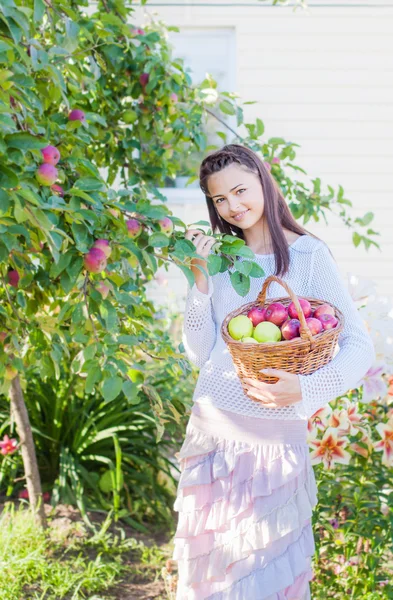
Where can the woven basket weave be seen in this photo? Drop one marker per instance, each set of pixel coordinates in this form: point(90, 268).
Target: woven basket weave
point(302, 355)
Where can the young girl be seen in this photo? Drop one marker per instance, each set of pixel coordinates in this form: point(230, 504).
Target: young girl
point(247, 487)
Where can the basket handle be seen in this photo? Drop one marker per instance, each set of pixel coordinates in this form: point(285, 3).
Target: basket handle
point(304, 330)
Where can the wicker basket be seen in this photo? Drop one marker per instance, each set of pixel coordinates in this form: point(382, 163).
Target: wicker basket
point(303, 355)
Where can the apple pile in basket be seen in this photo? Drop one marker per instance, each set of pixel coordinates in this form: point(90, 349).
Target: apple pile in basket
point(298, 335)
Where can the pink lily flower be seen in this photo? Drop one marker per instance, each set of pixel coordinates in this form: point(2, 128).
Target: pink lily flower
point(330, 449)
point(385, 445)
point(8, 446)
point(373, 383)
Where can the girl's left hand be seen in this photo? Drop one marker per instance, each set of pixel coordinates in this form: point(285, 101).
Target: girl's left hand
point(284, 392)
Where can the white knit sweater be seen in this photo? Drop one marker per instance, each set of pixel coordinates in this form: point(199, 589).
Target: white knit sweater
point(312, 272)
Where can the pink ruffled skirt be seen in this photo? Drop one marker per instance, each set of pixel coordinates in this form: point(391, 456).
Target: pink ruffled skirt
point(245, 498)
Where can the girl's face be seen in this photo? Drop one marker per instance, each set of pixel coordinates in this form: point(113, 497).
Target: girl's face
point(237, 195)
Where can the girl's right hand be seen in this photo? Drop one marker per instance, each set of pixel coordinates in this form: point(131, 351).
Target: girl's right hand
point(203, 244)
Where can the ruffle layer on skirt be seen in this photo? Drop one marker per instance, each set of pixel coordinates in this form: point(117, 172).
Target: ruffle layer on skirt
point(244, 525)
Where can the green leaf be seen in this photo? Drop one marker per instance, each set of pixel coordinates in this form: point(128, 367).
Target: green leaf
point(81, 234)
point(245, 252)
point(240, 282)
point(227, 108)
point(130, 390)
point(93, 377)
point(111, 388)
point(25, 141)
point(4, 202)
point(214, 263)
point(256, 270)
point(39, 10)
point(356, 238)
point(63, 263)
point(188, 273)
point(90, 184)
point(260, 127)
point(158, 240)
point(8, 179)
point(243, 267)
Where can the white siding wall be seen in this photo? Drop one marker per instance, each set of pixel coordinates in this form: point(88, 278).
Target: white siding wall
point(323, 79)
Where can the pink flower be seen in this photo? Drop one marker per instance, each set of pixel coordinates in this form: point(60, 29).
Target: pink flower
point(320, 418)
point(385, 445)
point(339, 420)
point(373, 384)
point(329, 450)
point(24, 495)
point(275, 161)
point(8, 446)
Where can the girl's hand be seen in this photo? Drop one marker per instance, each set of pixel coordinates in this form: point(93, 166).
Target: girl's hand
point(203, 244)
point(284, 392)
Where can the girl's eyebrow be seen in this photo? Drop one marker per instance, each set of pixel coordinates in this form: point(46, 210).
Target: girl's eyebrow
point(216, 196)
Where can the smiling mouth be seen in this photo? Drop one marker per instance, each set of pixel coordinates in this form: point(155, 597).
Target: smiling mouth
point(239, 216)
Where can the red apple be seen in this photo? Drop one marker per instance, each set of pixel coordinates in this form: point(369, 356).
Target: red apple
point(166, 225)
point(104, 246)
point(134, 227)
point(3, 335)
point(328, 321)
point(77, 115)
point(57, 189)
point(324, 309)
point(291, 329)
point(103, 288)
point(51, 155)
point(95, 260)
point(276, 313)
point(314, 325)
point(256, 314)
point(144, 79)
point(46, 174)
point(13, 278)
point(306, 306)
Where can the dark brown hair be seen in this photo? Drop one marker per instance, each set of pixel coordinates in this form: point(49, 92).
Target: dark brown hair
point(276, 211)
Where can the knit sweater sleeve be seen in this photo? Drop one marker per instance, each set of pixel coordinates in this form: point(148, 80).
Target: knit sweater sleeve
point(356, 350)
point(199, 325)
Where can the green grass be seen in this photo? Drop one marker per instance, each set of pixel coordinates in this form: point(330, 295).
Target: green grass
point(68, 563)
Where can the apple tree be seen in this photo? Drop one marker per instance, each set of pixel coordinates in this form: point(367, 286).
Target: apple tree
point(93, 114)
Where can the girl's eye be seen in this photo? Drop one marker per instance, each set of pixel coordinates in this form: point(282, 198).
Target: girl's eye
point(240, 190)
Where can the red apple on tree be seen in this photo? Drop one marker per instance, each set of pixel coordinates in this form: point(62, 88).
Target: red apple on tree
point(77, 115)
point(51, 155)
point(134, 228)
point(144, 79)
point(104, 246)
point(166, 225)
point(95, 260)
point(104, 289)
point(57, 189)
point(46, 174)
point(13, 278)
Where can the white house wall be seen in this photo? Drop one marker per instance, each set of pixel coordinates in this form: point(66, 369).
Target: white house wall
point(323, 79)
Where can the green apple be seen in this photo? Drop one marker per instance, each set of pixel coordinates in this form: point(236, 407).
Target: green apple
point(240, 326)
point(267, 332)
point(249, 340)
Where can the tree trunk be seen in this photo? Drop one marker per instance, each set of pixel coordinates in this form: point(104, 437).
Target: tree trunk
point(20, 414)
